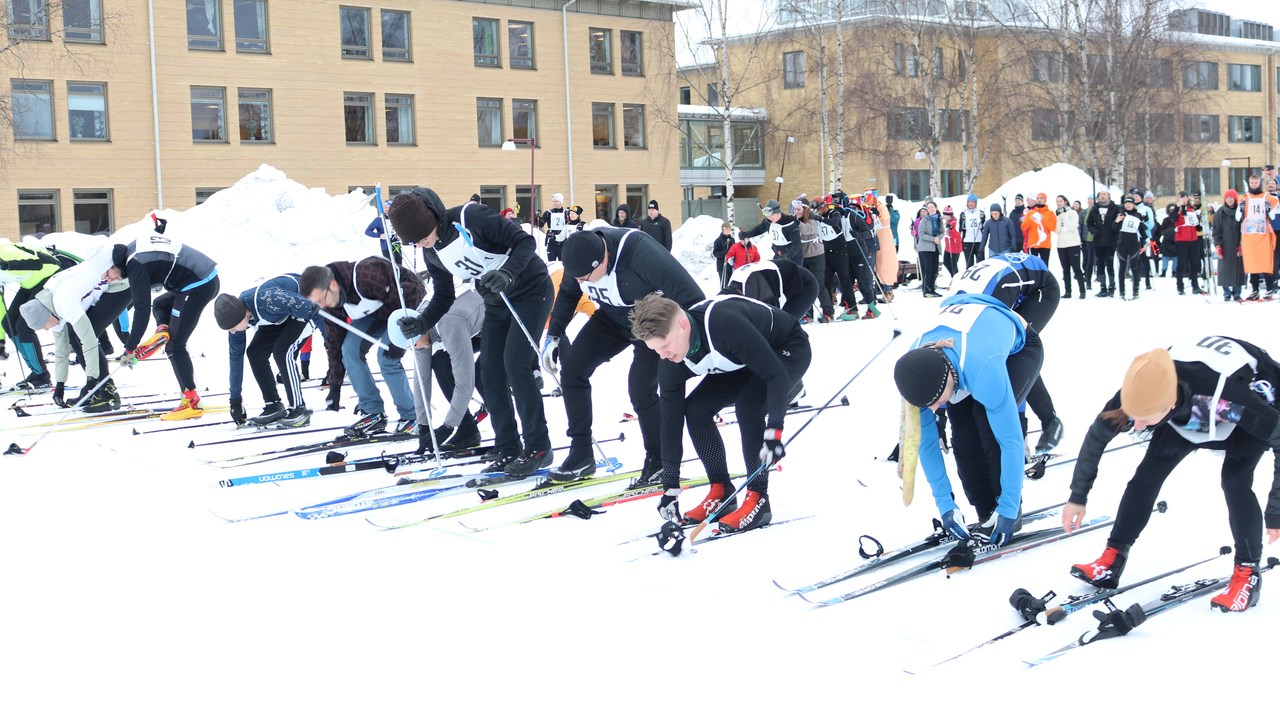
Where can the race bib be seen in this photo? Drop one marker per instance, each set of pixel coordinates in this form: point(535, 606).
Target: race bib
point(972, 222)
point(977, 278)
point(1255, 221)
point(960, 317)
point(1130, 224)
point(468, 262)
point(557, 221)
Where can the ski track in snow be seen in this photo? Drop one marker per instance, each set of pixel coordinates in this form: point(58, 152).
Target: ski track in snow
point(117, 578)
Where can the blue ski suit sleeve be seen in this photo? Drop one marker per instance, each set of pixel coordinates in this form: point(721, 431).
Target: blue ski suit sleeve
point(987, 345)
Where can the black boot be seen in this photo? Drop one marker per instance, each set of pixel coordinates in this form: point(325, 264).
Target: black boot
point(581, 463)
point(466, 436)
point(271, 413)
point(650, 474)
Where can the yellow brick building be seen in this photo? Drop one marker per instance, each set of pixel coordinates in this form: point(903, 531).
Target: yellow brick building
point(116, 112)
point(1229, 88)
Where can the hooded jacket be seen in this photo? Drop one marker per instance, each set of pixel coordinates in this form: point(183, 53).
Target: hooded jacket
point(1102, 223)
point(630, 222)
point(1000, 234)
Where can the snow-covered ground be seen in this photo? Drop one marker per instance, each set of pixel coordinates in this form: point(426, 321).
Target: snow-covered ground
point(122, 595)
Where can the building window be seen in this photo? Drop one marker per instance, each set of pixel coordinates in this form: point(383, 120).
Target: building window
point(489, 122)
point(32, 104)
point(255, 116)
point(952, 182)
point(395, 36)
point(1045, 126)
point(713, 95)
point(1206, 181)
point(1155, 127)
point(632, 126)
point(520, 44)
point(1200, 128)
point(602, 125)
point(203, 194)
point(1238, 177)
point(638, 200)
point(606, 197)
point(251, 26)
point(601, 51)
point(746, 145)
point(686, 95)
point(494, 197)
point(905, 61)
point(358, 116)
point(92, 210)
point(793, 69)
point(355, 33)
point(1046, 67)
point(484, 42)
point(1200, 76)
point(399, 119)
point(87, 110)
point(632, 52)
point(1159, 182)
point(204, 25)
point(1244, 78)
point(208, 114)
point(524, 119)
point(82, 21)
point(907, 123)
point(951, 124)
point(28, 20)
point(526, 202)
point(909, 185)
point(38, 212)
point(1160, 73)
point(1244, 128)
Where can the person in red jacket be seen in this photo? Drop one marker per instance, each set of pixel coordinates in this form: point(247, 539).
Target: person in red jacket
point(742, 252)
point(952, 244)
point(1187, 265)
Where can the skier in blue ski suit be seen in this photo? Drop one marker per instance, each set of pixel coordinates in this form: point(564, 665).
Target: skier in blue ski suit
point(981, 360)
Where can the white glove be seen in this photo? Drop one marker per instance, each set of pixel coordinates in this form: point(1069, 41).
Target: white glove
point(1239, 213)
point(550, 355)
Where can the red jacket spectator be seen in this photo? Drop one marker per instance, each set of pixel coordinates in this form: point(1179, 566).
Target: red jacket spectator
point(742, 253)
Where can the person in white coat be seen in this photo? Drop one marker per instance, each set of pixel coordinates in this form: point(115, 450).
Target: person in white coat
point(1068, 245)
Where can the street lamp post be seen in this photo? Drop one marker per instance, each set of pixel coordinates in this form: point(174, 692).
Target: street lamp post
point(782, 170)
point(510, 146)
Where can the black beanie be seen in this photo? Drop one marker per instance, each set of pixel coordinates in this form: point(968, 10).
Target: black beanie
point(582, 253)
point(120, 257)
point(228, 311)
point(921, 375)
point(411, 218)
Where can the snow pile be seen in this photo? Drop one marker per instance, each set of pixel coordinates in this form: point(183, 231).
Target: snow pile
point(691, 244)
point(1057, 179)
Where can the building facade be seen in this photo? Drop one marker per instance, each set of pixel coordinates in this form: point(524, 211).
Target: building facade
point(1211, 117)
point(115, 112)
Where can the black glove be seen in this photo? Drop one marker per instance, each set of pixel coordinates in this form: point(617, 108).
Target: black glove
point(395, 352)
point(59, 395)
point(411, 325)
point(442, 433)
point(238, 415)
point(773, 450)
point(496, 281)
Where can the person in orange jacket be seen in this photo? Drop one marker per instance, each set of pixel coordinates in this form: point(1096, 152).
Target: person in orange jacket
point(1038, 225)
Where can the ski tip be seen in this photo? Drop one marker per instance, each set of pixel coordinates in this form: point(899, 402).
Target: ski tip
point(783, 589)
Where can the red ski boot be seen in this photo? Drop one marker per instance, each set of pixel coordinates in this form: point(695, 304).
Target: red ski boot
point(754, 512)
point(1104, 572)
point(718, 492)
point(1243, 591)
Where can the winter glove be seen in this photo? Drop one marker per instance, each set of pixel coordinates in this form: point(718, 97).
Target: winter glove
point(496, 281)
point(953, 523)
point(238, 415)
point(1003, 531)
point(129, 357)
point(669, 506)
point(59, 395)
point(773, 450)
point(395, 352)
point(1239, 213)
point(442, 433)
point(411, 325)
point(1218, 249)
point(551, 355)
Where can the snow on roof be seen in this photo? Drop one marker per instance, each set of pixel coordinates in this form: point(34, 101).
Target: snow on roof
point(710, 111)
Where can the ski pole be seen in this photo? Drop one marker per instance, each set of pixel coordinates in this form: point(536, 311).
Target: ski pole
point(611, 465)
point(417, 366)
point(15, 449)
point(715, 514)
point(352, 329)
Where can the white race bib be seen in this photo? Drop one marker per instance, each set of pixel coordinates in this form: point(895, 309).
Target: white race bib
point(960, 317)
point(557, 221)
point(1130, 224)
point(1255, 220)
point(468, 262)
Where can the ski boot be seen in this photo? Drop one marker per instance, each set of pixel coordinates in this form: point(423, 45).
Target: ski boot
point(1243, 591)
point(1104, 572)
point(366, 426)
point(298, 417)
point(754, 512)
point(188, 409)
point(271, 413)
point(529, 462)
point(650, 473)
point(580, 463)
point(715, 496)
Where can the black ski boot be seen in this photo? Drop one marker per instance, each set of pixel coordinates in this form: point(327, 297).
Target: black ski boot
point(273, 412)
point(466, 436)
point(581, 463)
point(650, 473)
